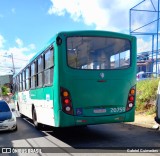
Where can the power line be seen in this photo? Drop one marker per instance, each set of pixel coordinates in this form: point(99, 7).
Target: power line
point(10, 67)
point(9, 56)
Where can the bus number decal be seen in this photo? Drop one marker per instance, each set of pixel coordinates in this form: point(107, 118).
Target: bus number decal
point(117, 110)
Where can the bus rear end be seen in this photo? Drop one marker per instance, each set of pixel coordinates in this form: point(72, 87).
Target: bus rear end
point(97, 76)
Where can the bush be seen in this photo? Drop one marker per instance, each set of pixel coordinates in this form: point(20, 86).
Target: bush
point(5, 90)
point(146, 95)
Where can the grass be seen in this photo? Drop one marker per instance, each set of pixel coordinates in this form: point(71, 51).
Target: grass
point(146, 96)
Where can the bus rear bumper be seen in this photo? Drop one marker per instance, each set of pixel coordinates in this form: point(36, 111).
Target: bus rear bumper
point(69, 120)
point(123, 117)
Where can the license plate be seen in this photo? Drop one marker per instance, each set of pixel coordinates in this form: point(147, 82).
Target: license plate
point(99, 111)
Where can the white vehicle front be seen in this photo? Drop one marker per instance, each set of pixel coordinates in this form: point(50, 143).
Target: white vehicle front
point(9, 124)
point(7, 117)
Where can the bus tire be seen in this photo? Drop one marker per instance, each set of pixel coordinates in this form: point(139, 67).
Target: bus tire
point(34, 118)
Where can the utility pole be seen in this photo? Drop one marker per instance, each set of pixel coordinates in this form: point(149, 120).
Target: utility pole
point(13, 64)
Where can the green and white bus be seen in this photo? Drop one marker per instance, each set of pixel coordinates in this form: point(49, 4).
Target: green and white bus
point(79, 78)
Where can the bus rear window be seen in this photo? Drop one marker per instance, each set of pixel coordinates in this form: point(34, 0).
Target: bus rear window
point(98, 53)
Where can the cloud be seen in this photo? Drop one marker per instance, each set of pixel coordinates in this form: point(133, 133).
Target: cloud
point(143, 45)
point(2, 41)
point(19, 42)
point(109, 15)
point(21, 55)
point(101, 13)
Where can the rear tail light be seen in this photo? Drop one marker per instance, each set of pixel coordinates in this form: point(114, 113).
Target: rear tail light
point(131, 98)
point(65, 93)
point(66, 101)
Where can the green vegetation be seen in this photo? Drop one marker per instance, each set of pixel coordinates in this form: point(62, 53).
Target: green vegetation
point(5, 90)
point(146, 96)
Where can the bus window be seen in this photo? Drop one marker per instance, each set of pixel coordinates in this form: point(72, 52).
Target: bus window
point(33, 75)
point(120, 60)
point(40, 70)
point(48, 63)
point(95, 52)
point(24, 78)
point(27, 78)
point(49, 59)
point(40, 64)
point(20, 82)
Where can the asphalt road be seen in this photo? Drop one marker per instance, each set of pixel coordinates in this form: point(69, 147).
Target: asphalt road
point(121, 139)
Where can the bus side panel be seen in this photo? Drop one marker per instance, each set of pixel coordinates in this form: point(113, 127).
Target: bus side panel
point(44, 108)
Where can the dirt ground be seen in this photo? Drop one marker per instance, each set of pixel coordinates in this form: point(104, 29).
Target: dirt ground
point(144, 120)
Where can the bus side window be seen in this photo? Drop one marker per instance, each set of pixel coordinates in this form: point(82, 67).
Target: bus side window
point(13, 85)
point(24, 79)
point(40, 71)
point(18, 83)
point(28, 78)
point(33, 75)
point(48, 64)
point(21, 81)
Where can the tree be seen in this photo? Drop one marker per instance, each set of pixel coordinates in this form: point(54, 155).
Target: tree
point(5, 90)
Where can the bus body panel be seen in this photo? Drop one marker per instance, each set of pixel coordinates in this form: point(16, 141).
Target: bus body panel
point(93, 96)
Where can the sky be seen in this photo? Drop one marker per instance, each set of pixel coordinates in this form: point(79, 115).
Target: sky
point(26, 25)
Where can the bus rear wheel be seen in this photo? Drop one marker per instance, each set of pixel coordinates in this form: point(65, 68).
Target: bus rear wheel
point(34, 118)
